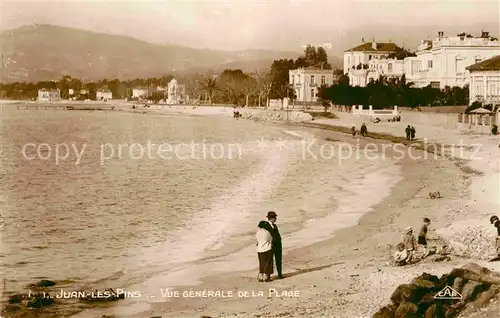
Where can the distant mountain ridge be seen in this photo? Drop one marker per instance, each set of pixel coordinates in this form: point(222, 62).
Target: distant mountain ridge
point(48, 52)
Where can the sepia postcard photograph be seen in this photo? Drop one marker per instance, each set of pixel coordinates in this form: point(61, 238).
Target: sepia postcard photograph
point(257, 159)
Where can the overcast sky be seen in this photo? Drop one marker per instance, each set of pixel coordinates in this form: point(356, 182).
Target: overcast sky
point(261, 24)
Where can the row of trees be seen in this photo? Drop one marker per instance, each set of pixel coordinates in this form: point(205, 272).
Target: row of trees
point(120, 89)
point(229, 87)
point(386, 92)
point(238, 88)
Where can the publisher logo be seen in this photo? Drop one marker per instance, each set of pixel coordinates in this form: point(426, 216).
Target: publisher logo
point(448, 293)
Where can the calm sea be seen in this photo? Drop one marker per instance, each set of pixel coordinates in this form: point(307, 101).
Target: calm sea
point(87, 197)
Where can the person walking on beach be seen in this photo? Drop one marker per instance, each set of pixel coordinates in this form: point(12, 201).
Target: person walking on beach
point(422, 236)
point(412, 132)
point(353, 131)
point(277, 246)
point(408, 132)
point(496, 223)
point(410, 243)
point(364, 130)
point(264, 252)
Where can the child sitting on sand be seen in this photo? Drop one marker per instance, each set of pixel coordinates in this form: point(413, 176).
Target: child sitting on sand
point(400, 255)
point(410, 243)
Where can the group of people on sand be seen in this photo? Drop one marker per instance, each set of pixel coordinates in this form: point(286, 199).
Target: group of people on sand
point(363, 131)
point(269, 248)
point(405, 251)
point(410, 132)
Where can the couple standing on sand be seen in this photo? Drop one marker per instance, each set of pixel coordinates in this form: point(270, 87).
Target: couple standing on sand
point(269, 247)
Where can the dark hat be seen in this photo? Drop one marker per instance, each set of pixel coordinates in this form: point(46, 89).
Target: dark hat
point(271, 214)
point(493, 219)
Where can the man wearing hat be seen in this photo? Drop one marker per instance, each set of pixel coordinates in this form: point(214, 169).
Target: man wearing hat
point(277, 247)
point(496, 223)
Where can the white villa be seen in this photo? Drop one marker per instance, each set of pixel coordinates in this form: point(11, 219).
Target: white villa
point(440, 62)
point(176, 92)
point(368, 61)
point(485, 81)
point(306, 82)
point(48, 95)
point(140, 93)
point(103, 95)
point(443, 61)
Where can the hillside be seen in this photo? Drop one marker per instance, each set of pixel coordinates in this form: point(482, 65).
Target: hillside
point(47, 52)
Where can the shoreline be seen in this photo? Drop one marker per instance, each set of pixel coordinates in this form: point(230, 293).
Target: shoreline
point(344, 253)
point(350, 251)
point(460, 178)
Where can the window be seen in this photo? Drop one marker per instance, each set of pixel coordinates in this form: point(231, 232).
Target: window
point(435, 85)
point(312, 80)
point(429, 64)
point(369, 57)
point(298, 94)
point(312, 93)
point(323, 80)
point(389, 68)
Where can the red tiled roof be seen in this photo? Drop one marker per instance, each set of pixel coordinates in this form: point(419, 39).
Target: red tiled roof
point(492, 64)
point(380, 47)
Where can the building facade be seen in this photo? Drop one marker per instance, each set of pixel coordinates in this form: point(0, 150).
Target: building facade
point(485, 81)
point(176, 92)
point(367, 62)
point(440, 62)
point(48, 95)
point(103, 95)
point(443, 61)
point(307, 81)
point(140, 93)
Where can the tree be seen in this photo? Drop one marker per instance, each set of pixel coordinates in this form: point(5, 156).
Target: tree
point(322, 59)
point(280, 78)
point(209, 85)
point(264, 82)
point(314, 57)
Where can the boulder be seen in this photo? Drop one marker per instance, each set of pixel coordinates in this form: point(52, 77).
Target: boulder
point(409, 293)
point(458, 284)
point(39, 301)
point(431, 312)
point(15, 299)
point(426, 302)
point(388, 311)
point(482, 300)
point(475, 284)
point(470, 290)
point(426, 279)
point(405, 309)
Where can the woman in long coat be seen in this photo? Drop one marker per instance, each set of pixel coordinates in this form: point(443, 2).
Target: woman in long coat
point(264, 252)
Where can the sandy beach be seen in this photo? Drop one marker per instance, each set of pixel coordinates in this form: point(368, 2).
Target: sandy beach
point(349, 274)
